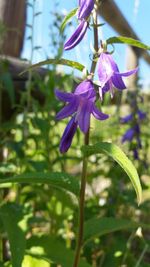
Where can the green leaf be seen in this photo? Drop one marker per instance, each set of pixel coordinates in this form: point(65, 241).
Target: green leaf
point(52, 249)
point(118, 155)
point(14, 223)
point(57, 179)
point(30, 261)
point(56, 61)
point(8, 84)
point(67, 18)
point(128, 41)
point(101, 226)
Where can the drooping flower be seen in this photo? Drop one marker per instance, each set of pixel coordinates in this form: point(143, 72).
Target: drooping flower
point(140, 116)
point(68, 135)
point(133, 134)
point(109, 75)
point(77, 36)
point(130, 133)
point(81, 105)
point(85, 9)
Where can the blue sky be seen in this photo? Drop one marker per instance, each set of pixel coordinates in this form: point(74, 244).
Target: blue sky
point(135, 11)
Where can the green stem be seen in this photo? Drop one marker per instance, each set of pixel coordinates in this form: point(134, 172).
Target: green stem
point(141, 256)
point(84, 166)
point(31, 59)
point(81, 206)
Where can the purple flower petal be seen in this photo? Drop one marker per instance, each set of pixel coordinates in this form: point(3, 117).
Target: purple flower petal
point(127, 73)
point(141, 114)
point(83, 115)
point(107, 87)
point(86, 7)
point(68, 135)
point(98, 114)
point(118, 82)
point(81, 2)
point(127, 118)
point(77, 36)
point(68, 110)
point(86, 90)
point(63, 96)
point(128, 136)
point(105, 70)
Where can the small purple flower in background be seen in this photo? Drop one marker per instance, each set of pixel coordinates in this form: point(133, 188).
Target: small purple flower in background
point(130, 133)
point(134, 132)
point(128, 136)
point(141, 116)
point(109, 75)
point(85, 9)
point(127, 118)
point(81, 105)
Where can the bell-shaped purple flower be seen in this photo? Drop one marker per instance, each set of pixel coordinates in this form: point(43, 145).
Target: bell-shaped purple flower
point(141, 114)
point(109, 74)
point(130, 133)
point(86, 7)
point(128, 136)
point(77, 36)
point(80, 105)
point(68, 135)
point(127, 118)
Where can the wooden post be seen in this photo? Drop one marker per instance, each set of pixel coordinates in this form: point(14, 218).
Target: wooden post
point(13, 17)
point(131, 63)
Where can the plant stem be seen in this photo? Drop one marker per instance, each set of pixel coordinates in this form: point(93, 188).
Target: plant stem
point(141, 256)
point(81, 205)
point(85, 163)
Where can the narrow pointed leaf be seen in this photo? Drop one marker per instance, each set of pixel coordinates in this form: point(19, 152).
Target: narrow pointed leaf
point(128, 41)
point(56, 179)
point(118, 155)
point(55, 61)
point(67, 18)
point(101, 226)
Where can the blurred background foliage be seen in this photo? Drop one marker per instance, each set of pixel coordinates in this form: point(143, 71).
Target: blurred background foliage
point(38, 222)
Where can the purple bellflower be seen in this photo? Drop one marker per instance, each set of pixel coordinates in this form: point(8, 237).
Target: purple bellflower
point(77, 36)
point(85, 9)
point(80, 105)
point(141, 116)
point(134, 132)
point(130, 133)
point(109, 74)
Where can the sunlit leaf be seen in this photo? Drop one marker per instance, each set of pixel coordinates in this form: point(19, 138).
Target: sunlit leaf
point(118, 155)
point(67, 18)
point(128, 41)
point(55, 61)
point(30, 261)
point(56, 179)
point(53, 250)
